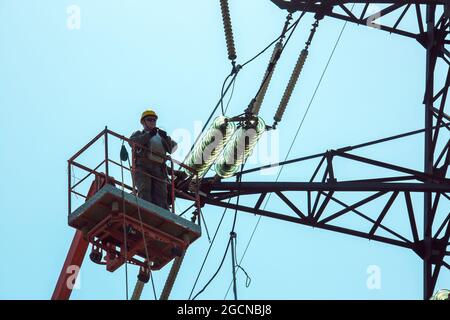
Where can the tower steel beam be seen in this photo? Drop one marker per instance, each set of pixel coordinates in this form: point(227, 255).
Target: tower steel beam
point(431, 31)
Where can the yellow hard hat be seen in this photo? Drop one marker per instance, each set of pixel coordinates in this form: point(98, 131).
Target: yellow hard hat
point(148, 112)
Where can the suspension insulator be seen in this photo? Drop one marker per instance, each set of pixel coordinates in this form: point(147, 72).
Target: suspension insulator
point(240, 148)
point(228, 29)
point(209, 147)
point(267, 77)
point(291, 85)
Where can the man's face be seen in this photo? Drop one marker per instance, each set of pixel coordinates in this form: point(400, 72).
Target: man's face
point(150, 122)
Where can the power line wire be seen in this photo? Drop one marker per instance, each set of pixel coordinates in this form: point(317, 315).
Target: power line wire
point(207, 253)
point(273, 42)
point(230, 241)
point(206, 226)
point(217, 271)
point(142, 228)
point(223, 92)
point(124, 229)
point(294, 139)
point(270, 68)
point(233, 235)
point(231, 95)
point(234, 72)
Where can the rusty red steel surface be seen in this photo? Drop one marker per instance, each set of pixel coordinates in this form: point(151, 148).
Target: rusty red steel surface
point(108, 235)
point(145, 243)
point(76, 253)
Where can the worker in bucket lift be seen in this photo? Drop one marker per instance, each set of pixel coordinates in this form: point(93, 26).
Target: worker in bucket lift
point(151, 174)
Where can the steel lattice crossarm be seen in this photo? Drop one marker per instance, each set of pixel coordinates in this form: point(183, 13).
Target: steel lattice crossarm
point(312, 201)
point(320, 201)
point(394, 11)
point(428, 22)
point(407, 181)
point(365, 16)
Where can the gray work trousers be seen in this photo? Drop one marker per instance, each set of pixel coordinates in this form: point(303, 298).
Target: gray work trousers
point(150, 188)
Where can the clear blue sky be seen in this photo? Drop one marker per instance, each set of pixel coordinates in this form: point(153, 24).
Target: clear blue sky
point(60, 87)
